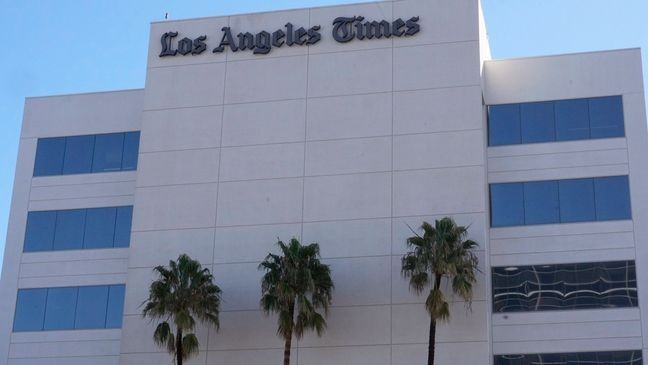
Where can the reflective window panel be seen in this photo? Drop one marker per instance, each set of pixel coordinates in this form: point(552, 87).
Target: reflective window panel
point(574, 358)
point(564, 286)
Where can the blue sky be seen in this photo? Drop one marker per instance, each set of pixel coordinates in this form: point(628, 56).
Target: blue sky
point(71, 46)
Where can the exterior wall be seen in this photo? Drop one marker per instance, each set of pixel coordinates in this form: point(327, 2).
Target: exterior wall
point(565, 77)
point(50, 117)
point(342, 144)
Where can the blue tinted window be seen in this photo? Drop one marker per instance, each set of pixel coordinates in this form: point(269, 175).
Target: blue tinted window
point(30, 310)
point(538, 123)
point(564, 201)
point(78, 229)
point(123, 226)
point(49, 156)
point(78, 155)
point(83, 307)
point(612, 198)
point(69, 229)
point(60, 308)
point(507, 204)
point(606, 117)
point(541, 202)
point(99, 228)
point(108, 152)
point(572, 120)
point(577, 200)
point(115, 306)
point(504, 124)
point(91, 307)
point(131, 149)
point(39, 235)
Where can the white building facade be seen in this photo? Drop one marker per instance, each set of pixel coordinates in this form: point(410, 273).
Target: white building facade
point(341, 125)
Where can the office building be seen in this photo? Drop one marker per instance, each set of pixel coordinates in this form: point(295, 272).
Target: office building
point(342, 125)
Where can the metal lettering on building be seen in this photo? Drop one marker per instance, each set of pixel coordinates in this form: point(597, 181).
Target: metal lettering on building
point(345, 29)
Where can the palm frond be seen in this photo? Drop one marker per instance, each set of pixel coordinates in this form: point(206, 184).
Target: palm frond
point(441, 252)
point(190, 346)
point(182, 293)
point(295, 285)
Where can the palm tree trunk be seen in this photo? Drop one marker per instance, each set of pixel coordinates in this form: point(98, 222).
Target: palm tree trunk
point(179, 352)
point(287, 350)
point(288, 344)
point(432, 336)
point(432, 341)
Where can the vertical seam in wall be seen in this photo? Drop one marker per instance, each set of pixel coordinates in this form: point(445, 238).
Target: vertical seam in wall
point(391, 219)
point(487, 250)
point(301, 233)
point(218, 182)
point(634, 234)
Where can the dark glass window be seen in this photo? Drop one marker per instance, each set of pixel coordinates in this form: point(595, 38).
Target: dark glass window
point(85, 154)
point(572, 120)
point(507, 204)
point(565, 286)
point(123, 226)
point(606, 117)
point(538, 124)
point(86, 307)
point(504, 124)
point(60, 308)
point(115, 306)
point(49, 156)
point(108, 152)
point(39, 234)
point(612, 198)
point(131, 149)
point(91, 307)
point(577, 200)
point(560, 201)
point(69, 229)
point(30, 310)
point(78, 154)
point(541, 202)
point(558, 120)
point(78, 229)
point(100, 228)
point(573, 358)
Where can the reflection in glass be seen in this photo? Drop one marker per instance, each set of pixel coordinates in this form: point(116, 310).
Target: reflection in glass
point(565, 286)
point(574, 358)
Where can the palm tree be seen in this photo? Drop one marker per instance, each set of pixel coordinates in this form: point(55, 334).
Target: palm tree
point(183, 292)
point(295, 285)
point(441, 253)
